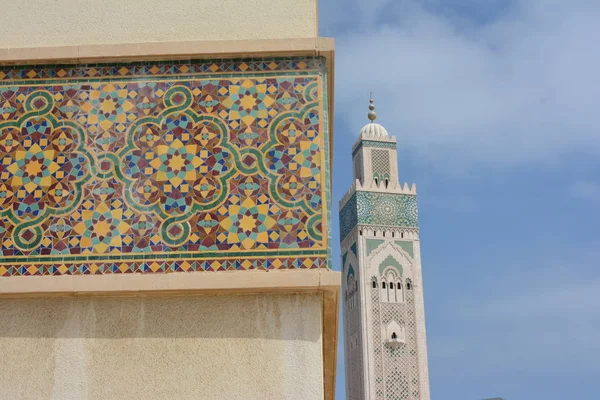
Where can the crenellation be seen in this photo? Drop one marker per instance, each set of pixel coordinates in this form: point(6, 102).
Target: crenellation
point(379, 187)
point(349, 193)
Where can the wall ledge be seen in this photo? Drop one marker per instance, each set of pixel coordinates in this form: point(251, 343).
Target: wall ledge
point(225, 282)
point(197, 49)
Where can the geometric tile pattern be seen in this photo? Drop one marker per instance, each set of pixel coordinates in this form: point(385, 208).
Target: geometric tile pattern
point(68, 73)
point(400, 365)
point(348, 217)
point(163, 167)
point(377, 342)
point(387, 209)
point(373, 143)
point(371, 208)
point(380, 160)
point(162, 266)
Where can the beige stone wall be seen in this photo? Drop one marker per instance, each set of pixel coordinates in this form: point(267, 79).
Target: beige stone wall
point(184, 347)
point(36, 23)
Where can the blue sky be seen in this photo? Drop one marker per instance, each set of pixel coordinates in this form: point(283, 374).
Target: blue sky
point(496, 107)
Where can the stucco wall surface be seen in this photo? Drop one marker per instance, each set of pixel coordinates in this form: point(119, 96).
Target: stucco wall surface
point(33, 23)
point(184, 347)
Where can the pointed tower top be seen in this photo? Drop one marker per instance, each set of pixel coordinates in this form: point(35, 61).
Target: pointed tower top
point(372, 114)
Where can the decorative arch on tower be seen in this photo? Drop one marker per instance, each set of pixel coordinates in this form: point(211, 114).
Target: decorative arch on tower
point(390, 266)
point(351, 291)
point(394, 334)
point(390, 254)
point(350, 276)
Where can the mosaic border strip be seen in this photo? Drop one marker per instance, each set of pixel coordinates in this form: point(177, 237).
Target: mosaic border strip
point(70, 72)
point(374, 143)
point(158, 256)
point(164, 266)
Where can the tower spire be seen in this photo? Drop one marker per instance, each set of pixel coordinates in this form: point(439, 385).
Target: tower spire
point(372, 114)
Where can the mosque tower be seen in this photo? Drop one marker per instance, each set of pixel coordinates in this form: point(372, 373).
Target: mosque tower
point(382, 285)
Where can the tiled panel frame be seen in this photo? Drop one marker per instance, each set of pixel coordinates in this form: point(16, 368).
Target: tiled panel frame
point(164, 167)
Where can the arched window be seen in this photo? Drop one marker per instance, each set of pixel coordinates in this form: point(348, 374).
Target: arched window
point(399, 297)
point(383, 292)
point(394, 336)
point(391, 285)
point(408, 284)
point(386, 182)
point(374, 284)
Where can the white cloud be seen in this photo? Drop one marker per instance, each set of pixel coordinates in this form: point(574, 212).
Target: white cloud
point(522, 88)
point(528, 321)
point(586, 190)
point(528, 302)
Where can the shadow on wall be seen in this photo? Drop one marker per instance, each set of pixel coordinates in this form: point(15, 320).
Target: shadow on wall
point(275, 317)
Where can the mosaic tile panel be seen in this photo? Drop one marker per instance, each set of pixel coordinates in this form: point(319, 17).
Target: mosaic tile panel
point(67, 73)
point(348, 217)
point(162, 266)
point(142, 167)
point(385, 209)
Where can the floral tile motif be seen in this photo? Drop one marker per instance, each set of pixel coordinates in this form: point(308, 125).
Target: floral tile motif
point(122, 165)
point(372, 208)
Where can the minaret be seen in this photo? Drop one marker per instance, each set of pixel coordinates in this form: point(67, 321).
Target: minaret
point(384, 318)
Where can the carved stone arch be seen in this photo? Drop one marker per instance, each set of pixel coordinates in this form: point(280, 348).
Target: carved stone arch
point(391, 328)
point(394, 334)
point(350, 277)
point(344, 260)
point(390, 273)
point(389, 247)
point(351, 290)
point(349, 257)
point(374, 282)
point(388, 254)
